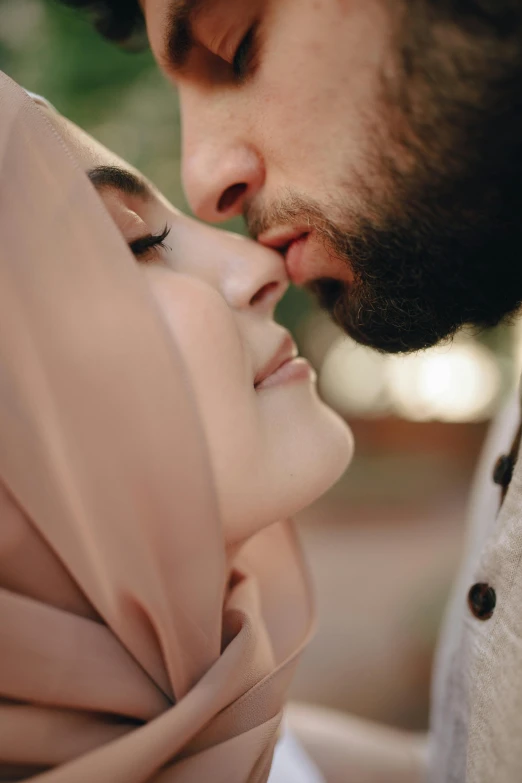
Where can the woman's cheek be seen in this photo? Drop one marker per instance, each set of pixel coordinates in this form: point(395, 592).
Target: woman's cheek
point(205, 331)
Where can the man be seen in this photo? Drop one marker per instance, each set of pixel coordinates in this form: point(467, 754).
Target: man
point(378, 145)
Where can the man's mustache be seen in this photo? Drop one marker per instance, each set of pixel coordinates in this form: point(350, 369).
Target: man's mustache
point(291, 210)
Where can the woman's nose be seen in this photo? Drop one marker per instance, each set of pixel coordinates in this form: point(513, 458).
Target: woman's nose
point(253, 278)
point(220, 170)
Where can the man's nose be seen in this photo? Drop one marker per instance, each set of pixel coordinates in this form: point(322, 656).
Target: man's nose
point(218, 180)
point(220, 170)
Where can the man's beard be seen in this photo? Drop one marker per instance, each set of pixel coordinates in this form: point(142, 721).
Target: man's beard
point(446, 250)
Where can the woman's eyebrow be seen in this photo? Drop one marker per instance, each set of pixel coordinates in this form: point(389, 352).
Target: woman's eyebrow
point(120, 179)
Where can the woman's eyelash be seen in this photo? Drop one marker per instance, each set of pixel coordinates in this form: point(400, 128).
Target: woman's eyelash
point(151, 243)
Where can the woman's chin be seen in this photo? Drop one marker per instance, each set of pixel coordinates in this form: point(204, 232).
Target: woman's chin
point(333, 454)
point(314, 438)
point(343, 437)
point(333, 436)
point(307, 448)
point(321, 454)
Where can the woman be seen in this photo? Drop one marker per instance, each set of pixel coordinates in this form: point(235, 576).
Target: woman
point(154, 427)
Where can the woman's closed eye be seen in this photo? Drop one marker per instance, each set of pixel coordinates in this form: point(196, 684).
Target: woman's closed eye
point(148, 247)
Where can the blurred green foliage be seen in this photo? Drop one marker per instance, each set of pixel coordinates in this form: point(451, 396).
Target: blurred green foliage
point(119, 97)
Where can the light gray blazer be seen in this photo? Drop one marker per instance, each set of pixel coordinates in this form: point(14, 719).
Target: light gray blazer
point(476, 726)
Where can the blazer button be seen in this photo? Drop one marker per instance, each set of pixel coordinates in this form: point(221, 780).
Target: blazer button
point(503, 470)
point(482, 600)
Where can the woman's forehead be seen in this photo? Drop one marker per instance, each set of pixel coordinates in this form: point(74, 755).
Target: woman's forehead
point(88, 152)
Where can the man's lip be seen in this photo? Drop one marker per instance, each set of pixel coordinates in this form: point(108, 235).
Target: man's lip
point(291, 243)
point(285, 353)
point(280, 239)
point(295, 261)
point(306, 256)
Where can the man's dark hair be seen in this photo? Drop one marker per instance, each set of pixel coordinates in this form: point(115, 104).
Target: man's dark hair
point(120, 21)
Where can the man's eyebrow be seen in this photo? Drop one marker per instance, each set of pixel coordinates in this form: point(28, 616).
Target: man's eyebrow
point(179, 38)
point(120, 179)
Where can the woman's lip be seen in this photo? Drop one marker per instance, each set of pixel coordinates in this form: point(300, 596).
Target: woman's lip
point(297, 369)
point(286, 352)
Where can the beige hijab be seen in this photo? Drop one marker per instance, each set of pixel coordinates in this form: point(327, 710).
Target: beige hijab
point(129, 650)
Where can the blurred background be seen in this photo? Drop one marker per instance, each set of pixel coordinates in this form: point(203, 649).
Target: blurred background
point(385, 543)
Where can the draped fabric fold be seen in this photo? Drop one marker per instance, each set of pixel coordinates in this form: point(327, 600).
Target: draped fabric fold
point(127, 652)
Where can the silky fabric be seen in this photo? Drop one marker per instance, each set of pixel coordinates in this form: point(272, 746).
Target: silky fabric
point(131, 648)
